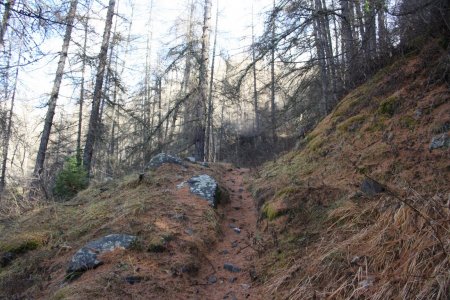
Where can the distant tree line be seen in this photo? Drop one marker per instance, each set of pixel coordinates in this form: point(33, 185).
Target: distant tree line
point(191, 99)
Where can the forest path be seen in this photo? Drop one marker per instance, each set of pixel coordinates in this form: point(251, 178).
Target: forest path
point(235, 246)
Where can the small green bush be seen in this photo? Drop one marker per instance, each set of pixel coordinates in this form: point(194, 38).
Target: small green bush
point(71, 179)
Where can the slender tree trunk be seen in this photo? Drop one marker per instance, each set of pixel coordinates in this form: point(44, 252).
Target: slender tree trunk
point(81, 101)
point(321, 57)
point(348, 52)
point(210, 96)
point(40, 159)
point(328, 45)
point(255, 91)
point(272, 75)
point(199, 130)
point(7, 137)
point(383, 39)
point(94, 118)
point(6, 15)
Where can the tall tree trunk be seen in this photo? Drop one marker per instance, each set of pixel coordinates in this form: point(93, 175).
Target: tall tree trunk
point(81, 101)
point(383, 39)
point(94, 118)
point(272, 75)
point(199, 130)
point(40, 159)
point(321, 57)
point(210, 96)
point(348, 51)
point(7, 137)
point(328, 45)
point(6, 15)
point(255, 91)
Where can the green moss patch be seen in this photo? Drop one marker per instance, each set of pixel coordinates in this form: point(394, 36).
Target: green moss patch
point(352, 124)
point(389, 106)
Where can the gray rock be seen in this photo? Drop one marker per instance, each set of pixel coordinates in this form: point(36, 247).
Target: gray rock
point(234, 244)
point(371, 187)
point(86, 257)
point(206, 187)
point(133, 279)
point(191, 159)
point(232, 268)
point(163, 158)
point(232, 279)
point(6, 259)
point(237, 230)
point(230, 296)
point(212, 279)
point(440, 141)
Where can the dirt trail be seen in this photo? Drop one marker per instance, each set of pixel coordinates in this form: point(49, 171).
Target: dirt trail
point(234, 247)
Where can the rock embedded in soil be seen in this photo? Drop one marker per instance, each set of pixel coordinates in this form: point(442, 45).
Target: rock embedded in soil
point(163, 158)
point(133, 279)
point(6, 259)
point(371, 187)
point(86, 258)
point(206, 187)
point(212, 279)
point(440, 141)
point(232, 268)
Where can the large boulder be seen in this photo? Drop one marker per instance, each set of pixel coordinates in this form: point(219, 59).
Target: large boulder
point(206, 187)
point(86, 258)
point(163, 158)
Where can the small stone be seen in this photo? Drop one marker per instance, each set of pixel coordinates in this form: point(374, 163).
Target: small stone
point(212, 279)
point(180, 217)
point(191, 159)
point(232, 279)
point(133, 279)
point(440, 141)
point(237, 230)
point(245, 286)
point(6, 259)
point(371, 187)
point(230, 296)
point(189, 231)
point(224, 252)
point(231, 268)
point(234, 244)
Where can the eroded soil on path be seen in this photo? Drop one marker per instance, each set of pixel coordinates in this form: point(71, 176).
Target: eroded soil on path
point(235, 246)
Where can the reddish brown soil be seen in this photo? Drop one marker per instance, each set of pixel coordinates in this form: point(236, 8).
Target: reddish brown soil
point(241, 212)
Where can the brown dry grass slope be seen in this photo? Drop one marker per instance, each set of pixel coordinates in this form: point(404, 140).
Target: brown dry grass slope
point(330, 241)
point(175, 230)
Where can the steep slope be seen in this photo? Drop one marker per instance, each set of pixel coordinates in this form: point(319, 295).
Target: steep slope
point(361, 208)
point(179, 252)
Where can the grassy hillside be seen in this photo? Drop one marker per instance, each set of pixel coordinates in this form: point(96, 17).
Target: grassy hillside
point(174, 231)
point(330, 240)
